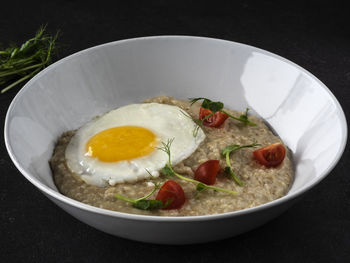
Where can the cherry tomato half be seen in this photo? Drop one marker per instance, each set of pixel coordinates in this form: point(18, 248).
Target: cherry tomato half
point(171, 192)
point(213, 121)
point(271, 155)
point(207, 172)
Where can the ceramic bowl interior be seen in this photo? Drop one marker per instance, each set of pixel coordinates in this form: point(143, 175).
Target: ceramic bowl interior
point(300, 109)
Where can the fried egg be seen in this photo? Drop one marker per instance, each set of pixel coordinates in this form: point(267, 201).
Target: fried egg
point(123, 144)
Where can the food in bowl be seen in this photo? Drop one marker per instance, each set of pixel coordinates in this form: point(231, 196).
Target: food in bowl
point(174, 159)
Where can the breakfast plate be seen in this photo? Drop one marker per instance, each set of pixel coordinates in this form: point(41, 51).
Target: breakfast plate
point(69, 93)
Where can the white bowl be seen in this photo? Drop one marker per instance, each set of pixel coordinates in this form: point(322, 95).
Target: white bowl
point(301, 109)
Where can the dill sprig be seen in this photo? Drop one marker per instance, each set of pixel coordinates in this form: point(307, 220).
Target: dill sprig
point(169, 171)
point(18, 64)
point(198, 123)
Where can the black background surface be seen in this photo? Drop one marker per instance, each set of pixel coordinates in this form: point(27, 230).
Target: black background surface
point(314, 35)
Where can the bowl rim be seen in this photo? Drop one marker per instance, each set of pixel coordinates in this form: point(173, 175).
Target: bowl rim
point(76, 204)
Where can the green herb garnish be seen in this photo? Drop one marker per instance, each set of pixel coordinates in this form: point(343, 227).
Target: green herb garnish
point(227, 151)
point(198, 123)
point(142, 203)
point(217, 106)
point(18, 64)
point(169, 171)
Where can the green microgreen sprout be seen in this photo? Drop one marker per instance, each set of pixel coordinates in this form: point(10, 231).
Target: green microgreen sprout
point(226, 153)
point(18, 64)
point(143, 203)
point(169, 171)
point(217, 106)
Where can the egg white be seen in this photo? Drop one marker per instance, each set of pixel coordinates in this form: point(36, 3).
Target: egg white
point(165, 121)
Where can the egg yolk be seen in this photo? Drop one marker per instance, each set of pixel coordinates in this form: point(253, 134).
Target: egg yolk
point(121, 143)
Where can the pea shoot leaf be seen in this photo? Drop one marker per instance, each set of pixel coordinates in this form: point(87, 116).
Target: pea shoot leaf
point(226, 152)
point(167, 171)
point(244, 117)
point(214, 106)
point(218, 106)
point(148, 204)
point(143, 203)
